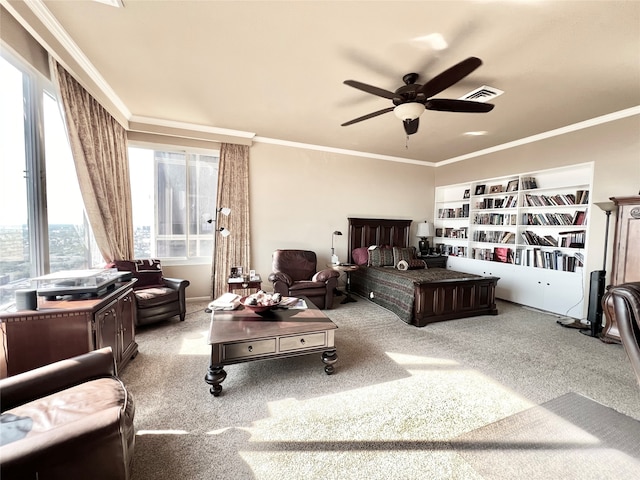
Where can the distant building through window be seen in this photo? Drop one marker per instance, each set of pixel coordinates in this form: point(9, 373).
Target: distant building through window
point(174, 197)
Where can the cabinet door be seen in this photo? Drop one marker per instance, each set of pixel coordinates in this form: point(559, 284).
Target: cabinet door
point(107, 329)
point(126, 320)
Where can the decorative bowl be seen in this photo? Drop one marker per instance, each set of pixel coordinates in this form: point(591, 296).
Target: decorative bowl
point(258, 308)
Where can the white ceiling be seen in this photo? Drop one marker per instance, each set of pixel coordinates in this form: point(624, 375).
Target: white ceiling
point(276, 68)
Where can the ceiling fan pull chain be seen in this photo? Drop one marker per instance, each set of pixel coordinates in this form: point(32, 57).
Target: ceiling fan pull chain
point(406, 143)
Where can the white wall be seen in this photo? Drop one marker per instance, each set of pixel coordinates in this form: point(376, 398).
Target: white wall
point(300, 197)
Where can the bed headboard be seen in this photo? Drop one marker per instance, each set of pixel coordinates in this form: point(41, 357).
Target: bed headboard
point(364, 232)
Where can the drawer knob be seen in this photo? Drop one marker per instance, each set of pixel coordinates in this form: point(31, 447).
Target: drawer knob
point(250, 348)
point(302, 341)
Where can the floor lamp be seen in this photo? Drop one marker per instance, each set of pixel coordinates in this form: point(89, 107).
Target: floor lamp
point(226, 211)
point(596, 286)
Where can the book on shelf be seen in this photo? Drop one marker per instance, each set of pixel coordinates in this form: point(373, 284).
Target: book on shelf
point(579, 218)
point(582, 197)
point(503, 254)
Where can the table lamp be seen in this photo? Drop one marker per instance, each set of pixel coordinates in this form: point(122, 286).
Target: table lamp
point(425, 230)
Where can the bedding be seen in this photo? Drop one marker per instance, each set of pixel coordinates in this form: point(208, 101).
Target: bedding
point(416, 296)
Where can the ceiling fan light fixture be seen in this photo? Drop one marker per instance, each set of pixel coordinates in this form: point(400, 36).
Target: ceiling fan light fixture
point(408, 111)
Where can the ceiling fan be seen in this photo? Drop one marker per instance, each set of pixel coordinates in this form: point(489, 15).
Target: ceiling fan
point(412, 99)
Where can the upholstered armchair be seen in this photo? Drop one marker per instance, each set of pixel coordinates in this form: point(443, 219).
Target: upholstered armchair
point(157, 297)
point(68, 419)
point(621, 305)
point(294, 275)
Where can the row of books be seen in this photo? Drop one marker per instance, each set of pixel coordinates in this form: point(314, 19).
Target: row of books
point(494, 219)
point(553, 260)
point(566, 239)
point(452, 232)
point(533, 257)
point(581, 197)
point(462, 212)
point(494, 236)
point(453, 250)
point(576, 218)
point(498, 254)
point(510, 201)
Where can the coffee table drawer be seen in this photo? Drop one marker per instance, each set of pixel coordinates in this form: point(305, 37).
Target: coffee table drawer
point(299, 342)
point(249, 349)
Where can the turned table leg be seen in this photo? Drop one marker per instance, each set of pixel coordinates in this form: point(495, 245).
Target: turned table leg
point(214, 377)
point(329, 358)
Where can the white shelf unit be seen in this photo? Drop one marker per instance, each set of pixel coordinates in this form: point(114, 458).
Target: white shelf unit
point(526, 229)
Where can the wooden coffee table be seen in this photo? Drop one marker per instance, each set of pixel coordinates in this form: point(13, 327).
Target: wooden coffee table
point(244, 336)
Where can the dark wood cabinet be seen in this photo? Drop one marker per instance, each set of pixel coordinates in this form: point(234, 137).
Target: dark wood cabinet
point(626, 255)
point(65, 328)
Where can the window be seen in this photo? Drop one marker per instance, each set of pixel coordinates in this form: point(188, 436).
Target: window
point(42, 229)
point(174, 197)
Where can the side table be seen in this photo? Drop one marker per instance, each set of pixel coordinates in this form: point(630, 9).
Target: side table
point(254, 283)
point(347, 268)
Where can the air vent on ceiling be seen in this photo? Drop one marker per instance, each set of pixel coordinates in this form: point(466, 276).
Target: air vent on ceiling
point(482, 94)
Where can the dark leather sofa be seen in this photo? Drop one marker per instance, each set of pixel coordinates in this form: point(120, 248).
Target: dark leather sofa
point(294, 275)
point(157, 297)
point(69, 419)
point(621, 304)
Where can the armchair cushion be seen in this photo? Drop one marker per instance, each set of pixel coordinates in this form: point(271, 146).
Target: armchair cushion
point(69, 419)
point(148, 271)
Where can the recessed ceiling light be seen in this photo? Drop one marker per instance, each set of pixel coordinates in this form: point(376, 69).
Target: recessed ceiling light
point(434, 40)
point(477, 133)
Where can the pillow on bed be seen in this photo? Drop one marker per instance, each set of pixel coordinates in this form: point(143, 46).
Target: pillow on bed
point(403, 253)
point(381, 257)
point(415, 264)
point(360, 255)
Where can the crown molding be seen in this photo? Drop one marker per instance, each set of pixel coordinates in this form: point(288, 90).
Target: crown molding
point(341, 151)
point(172, 124)
point(49, 22)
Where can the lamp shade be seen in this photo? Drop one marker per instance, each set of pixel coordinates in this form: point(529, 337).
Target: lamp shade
point(425, 229)
point(408, 111)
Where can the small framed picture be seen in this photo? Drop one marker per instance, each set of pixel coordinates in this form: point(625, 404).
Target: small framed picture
point(252, 274)
point(234, 272)
point(467, 193)
point(496, 189)
point(512, 186)
point(480, 189)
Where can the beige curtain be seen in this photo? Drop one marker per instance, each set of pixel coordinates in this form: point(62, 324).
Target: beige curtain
point(233, 192)
point(99, 148)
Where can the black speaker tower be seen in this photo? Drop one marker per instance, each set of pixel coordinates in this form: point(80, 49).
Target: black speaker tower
point(594, 312)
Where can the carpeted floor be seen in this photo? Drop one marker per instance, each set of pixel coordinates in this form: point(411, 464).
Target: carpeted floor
point(401, 404)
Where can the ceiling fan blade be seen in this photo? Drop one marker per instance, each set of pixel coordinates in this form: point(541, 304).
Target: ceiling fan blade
point(450, 105)
point(371, 89)
point(450, 76)
point(411, 126)
point(370, 115)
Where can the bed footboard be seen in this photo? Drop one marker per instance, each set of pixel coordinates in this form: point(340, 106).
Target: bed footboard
point(451, 299)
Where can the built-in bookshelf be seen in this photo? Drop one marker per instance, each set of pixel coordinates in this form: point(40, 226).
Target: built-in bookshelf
point(540, 217)
point(535, 220)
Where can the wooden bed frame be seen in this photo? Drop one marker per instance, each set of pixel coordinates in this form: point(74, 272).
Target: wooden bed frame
point(434, 301)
